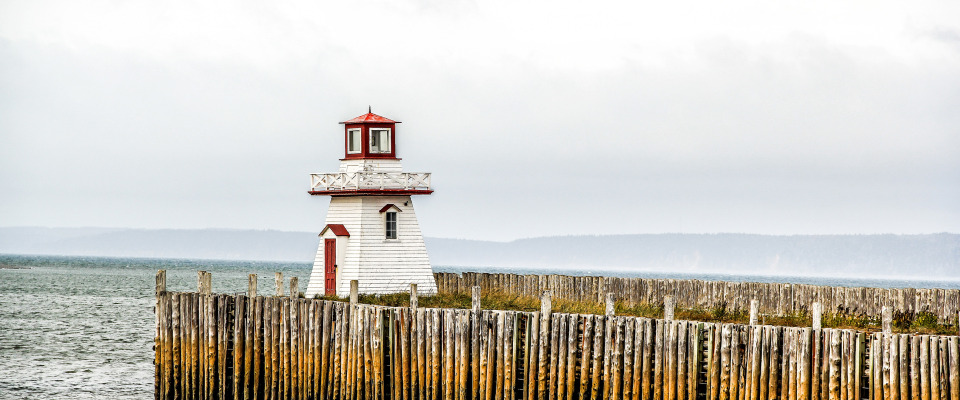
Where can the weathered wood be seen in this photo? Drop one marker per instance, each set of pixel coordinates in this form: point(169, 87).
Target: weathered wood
point(935, 378)
point(669, 306)
point(475, 299)
point(555, 342)
point(278, 282)
point(804, 364)
point(354, 292)
point(764, 384)
point(648, 355)
point(486, 344)
point(904, 367)
point(414, 301)
point(886, 317)
point(629, 327)
point(571, 356)
point(924, 367)
point(614, 377)
point(238, 346)
point(599, 328)
point(475, 351)
point(774, 298)
point(503, 350)
point(754, 311)
point(914, 367)
point(680, 390)
point(533, 356)
point(609, 309)
point(161, 282)
point(725, 361)
point(543, 350)
point(252, 285)
point(774, 392)
point(835, 364)
point(294, 287)
point(954, 363)
point(944, 368)
point(817, 315)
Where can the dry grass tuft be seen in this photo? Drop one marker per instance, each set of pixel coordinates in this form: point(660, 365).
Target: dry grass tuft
point(922, 323)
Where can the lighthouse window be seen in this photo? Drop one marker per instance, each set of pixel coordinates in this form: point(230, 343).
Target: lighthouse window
point(379, 140)
point(353, 141)
point(391, 225)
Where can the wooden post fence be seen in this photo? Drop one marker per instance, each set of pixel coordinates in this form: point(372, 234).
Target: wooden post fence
point(774, 299)
point(218, 346)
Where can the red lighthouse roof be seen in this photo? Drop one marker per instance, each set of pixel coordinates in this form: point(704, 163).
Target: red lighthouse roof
point(370, 118)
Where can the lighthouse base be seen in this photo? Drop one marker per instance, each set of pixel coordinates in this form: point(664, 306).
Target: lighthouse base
point(356, 245)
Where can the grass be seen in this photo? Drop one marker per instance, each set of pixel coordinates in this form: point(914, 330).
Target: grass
point(921, 323)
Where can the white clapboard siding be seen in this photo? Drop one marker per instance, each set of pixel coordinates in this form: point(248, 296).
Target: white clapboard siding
point(380, 265)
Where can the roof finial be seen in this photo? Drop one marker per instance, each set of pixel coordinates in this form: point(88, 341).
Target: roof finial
point(369, 110)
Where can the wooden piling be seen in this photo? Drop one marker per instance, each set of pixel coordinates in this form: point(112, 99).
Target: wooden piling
point(817, 314)
point(354, 292)
point(294, 287)
point(278, 283)
point(252, 285)
point(204, 282)
point(161, 282)
point(609, 309)
point(475, 299)
point(413, 298)
point(886, 316)
point(754, 311)
point(669, 305)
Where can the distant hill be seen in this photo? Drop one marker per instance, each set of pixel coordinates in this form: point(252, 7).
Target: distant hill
point(930, 256)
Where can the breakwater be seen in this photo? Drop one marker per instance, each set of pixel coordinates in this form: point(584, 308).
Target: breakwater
point(219, 346)
point(772, 298)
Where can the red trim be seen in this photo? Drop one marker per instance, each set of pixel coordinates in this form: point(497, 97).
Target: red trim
point(338, 229)
point(365, 141)
point(369, 192)
point(370, 118)
point(389, 206)
point(330, 266)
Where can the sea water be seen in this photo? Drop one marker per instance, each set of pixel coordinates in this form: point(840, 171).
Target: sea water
point(82, 327)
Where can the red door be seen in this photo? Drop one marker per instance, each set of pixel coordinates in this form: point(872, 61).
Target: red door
point(330, 264)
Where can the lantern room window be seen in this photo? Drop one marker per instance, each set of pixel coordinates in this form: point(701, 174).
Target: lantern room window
point(354, 141)
point(379, 140)
point(391, 227)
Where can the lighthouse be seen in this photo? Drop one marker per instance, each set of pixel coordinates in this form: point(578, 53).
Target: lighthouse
point(371, 232)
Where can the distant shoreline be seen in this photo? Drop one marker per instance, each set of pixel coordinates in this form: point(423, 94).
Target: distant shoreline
point(30, 261)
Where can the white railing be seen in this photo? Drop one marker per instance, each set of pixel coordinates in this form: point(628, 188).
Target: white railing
point(370, 180)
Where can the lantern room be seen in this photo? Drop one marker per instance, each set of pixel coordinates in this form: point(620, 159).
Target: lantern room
point(370, 136)
point(371, 234)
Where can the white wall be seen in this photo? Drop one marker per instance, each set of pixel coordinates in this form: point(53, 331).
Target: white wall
point(380, 265)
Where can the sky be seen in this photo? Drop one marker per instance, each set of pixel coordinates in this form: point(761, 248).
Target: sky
point(536, 118)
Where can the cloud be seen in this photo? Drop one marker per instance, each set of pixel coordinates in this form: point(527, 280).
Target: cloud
point(614, 118)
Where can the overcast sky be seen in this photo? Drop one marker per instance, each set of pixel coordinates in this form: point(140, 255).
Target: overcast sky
point(535, 118)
